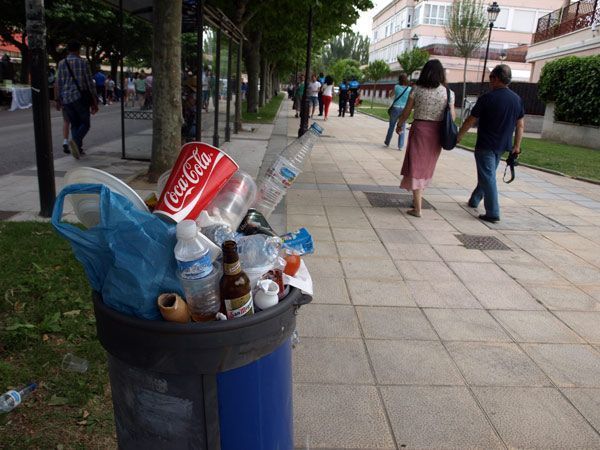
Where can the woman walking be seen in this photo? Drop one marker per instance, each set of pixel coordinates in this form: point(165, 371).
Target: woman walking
point(327, 94)
point(429, 99)
point(401, 94)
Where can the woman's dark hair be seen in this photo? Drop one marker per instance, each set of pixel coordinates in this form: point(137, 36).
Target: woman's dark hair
point(328, 80)
point(403, 79)
point(432, 74)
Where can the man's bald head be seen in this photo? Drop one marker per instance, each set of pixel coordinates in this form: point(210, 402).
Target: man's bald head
point(502, 73)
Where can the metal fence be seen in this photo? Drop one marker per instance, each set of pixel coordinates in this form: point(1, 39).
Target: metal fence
point(578, 15)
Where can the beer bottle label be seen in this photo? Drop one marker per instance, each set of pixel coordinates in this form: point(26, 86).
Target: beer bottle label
point(239, 307)
point(232, 268)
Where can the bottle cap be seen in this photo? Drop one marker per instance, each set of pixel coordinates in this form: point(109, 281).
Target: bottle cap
point(317, 128)
point(186, 229)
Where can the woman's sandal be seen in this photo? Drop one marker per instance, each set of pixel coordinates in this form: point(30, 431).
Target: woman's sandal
point(413, 212)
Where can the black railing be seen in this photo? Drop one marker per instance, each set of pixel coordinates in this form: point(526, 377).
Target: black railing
point(576, 16)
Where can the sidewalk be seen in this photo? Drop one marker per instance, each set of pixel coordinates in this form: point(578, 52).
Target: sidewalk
point(415, 340)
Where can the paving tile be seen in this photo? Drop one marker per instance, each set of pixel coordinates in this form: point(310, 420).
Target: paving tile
point(584, 323)
point(567, 365)
point(394, 323)
point(412, 362)
point(321, 234)
point(365, 268)
point(459, 253)
point(362, 249)
point(495, 364)
point(324, 267)
point(406, 237)
point(424, 223)
point(587, 401)
point(338, 361)
point(535, 418)
point(535, 326)
point(425, 271)
point(436, 417)
point(342, 234)
point(306, 209)
point(335, 417)
point(413, 252)
point(328, 321)
point(436, 237)
point(379, 293)
point(306, 220)
point(466, 325)
point(505, 295)
point(388, 218)
point(330, 291)
point(333, 201)
point(324, 249)
point(483, 273)
point(563, 297)
point(446, 294)
point(532, 273)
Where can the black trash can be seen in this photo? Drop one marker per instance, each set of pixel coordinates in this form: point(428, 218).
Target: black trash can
point(217, 385)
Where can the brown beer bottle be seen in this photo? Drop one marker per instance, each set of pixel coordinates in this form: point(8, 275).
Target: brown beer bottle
point(236, 294)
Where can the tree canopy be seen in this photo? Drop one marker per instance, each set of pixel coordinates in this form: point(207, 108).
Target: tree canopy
point(412, 60)
point(346, 46)
point(375, 71)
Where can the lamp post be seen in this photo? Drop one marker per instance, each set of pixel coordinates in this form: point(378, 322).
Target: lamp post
point(493, 10)
point(413, 40)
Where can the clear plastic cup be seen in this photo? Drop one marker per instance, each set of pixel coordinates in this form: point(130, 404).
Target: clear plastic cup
point(203, 295)
point(234, 199)
point(74, 363)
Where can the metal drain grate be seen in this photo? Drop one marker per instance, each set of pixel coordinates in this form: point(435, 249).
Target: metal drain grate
point(387, 200)
point(472, 241)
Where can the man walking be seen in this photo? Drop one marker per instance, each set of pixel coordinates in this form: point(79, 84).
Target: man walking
point(75, 93)
point(499, 112)
point(100, 80)
point(353, 96)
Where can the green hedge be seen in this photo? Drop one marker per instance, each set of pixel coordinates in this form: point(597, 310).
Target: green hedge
point(573, 84)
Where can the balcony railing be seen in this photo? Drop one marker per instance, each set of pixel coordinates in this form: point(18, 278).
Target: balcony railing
point(515, 54)
point(576, 16)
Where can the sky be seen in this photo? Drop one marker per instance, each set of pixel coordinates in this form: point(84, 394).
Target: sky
point(363, 25)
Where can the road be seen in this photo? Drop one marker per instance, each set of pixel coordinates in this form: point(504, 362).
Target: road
point(17, 141)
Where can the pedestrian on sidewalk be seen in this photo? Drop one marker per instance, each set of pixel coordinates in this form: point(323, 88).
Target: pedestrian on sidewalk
point(100, 80)
point(110, 89)
point(140, 89)
point(327, 94)
point(401, 93)
point(320, 95)
point(313, 93)
point(353, 94)
point(298, 92)
point(428, 99)
point(499, 112)
point(130, 96)
point(343, 98)
point(75, 92)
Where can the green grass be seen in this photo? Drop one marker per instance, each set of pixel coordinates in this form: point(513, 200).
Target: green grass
point(378, 110)
point(46, 312)
point(567, 159)
point(266, 114)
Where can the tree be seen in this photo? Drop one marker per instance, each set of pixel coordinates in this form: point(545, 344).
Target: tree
point(466, 31)
point(412, 60)
point(375, 71)
point(345, 69)
point(346, 46)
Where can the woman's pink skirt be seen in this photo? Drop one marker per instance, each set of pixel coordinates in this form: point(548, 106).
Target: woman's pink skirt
point(422, 153)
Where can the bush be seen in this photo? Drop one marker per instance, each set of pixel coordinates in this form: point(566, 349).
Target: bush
point(573, 84)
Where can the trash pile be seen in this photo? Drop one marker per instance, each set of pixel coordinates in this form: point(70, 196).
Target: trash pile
point(202, 249)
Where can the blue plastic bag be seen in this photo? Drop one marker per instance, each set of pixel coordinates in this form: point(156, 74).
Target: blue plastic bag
point(128, 257)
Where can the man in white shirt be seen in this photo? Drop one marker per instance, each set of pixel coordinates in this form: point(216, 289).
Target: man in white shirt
point(313, 93)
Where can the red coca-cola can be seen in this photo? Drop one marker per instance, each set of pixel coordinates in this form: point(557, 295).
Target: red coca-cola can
point(199, 173)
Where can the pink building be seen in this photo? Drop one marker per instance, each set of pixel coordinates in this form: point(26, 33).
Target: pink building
point(395, 26)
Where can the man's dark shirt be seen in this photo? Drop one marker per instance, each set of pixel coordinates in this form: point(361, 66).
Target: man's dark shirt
point(498, 112)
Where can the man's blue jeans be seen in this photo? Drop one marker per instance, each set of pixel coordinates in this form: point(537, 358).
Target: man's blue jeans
point(487, 162)
point(79, 117)
point(396, 113)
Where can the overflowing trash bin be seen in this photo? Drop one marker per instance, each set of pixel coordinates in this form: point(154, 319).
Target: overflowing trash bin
point(195, 298)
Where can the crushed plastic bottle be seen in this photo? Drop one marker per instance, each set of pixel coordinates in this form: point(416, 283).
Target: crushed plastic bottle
point(258, 250)
point(11, 399)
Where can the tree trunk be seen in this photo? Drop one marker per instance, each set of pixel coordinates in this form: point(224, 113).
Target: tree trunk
point(251, 55)
point(114, 66)
point(263, 82)
point(373, 94)
point(464, 94)
point(166, 69)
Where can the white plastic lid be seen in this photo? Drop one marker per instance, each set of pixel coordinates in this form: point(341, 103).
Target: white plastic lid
point(186, 229)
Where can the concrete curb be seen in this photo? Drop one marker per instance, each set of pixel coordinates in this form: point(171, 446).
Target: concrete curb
point(543, 169)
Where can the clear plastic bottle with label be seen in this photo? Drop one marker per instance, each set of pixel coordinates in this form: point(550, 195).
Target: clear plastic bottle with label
point(13, 398)
point(284, 171)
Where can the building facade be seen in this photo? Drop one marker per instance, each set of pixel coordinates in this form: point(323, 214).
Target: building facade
point(397, 23)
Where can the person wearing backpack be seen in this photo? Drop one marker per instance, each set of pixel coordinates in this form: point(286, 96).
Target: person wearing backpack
point(401, 93)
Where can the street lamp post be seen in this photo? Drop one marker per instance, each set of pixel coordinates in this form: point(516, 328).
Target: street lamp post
point(414, 40)
point(493, 10)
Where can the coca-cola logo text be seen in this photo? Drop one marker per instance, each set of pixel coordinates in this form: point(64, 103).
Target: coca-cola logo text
point(192, 171)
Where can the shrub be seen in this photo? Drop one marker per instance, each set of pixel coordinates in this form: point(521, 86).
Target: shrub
point(573, 84)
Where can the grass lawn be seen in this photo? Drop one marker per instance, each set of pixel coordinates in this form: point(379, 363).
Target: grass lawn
point(46, 312)
point(266, 114)
point(378, 110)
point(567, 159)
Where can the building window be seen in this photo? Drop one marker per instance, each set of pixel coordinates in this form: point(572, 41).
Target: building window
point(436, 14)
point(417, 16)
point(524, 21)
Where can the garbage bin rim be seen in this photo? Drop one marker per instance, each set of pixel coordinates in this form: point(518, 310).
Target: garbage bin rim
point(294, 298)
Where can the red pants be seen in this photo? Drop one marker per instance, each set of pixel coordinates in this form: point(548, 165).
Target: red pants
point(326, 103)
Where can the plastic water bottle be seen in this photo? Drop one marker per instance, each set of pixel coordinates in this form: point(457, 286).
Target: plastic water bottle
point(193, 257)
point(282, 174)
point(258, 250)
point(11, 399)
